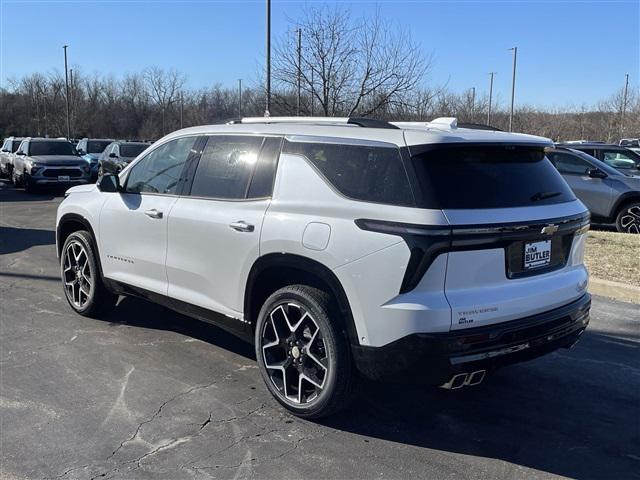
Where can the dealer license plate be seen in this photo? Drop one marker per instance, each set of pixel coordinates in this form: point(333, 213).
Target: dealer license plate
point(537, 254)
point(63, 178)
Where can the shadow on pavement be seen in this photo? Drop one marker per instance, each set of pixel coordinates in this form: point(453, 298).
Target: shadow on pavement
point(528, 414)
point(8, 193)
point(14, 240)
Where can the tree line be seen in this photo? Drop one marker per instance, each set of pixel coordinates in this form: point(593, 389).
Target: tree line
point(336, 66)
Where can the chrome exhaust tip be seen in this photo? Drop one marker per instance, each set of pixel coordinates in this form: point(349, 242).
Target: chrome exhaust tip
point(457, 381)
point(475, 378)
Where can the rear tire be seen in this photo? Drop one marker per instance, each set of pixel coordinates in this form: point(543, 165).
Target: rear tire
point(303, 352)
point(628, 219)
point(81, 280)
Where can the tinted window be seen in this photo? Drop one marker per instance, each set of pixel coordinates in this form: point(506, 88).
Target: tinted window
point(488, 177)
point(569, 164)
point(95, 146)
point(159, 171)
point(51, 148)
point(226, 166)
point(361, 172)
point(265, 172)
point(132, 149)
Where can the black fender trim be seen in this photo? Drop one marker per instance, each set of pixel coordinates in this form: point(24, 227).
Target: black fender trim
point(623, 199)
point(76, 218)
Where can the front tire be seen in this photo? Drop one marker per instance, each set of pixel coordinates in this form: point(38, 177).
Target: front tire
point(83, 287)
point(29, 186)
point(628, 219)
point(303, 353)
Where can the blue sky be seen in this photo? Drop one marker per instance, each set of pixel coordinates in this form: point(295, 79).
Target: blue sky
point(571, 53)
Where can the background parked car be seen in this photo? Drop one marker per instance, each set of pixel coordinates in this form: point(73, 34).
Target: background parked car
point(610, 195)
point(90, 149)
point(7, 154)
point(119, 154)
point(47, 161)
point(631, 143)
point(621, 158)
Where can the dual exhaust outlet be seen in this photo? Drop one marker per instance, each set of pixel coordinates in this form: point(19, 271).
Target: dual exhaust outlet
point(460, 380)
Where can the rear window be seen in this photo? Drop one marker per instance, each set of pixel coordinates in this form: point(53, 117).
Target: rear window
point(132, 150)
point(488, 177)
point(361, 172)
point(51, 148)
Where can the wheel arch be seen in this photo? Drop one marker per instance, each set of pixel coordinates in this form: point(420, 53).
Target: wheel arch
point(623, 200)
point(72, 222)
point(276, 270)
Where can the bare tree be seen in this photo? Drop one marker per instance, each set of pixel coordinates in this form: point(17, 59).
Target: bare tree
point(350, 67)
point(164, 87)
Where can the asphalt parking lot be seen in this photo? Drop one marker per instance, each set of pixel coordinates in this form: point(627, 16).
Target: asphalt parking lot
point(147, 393)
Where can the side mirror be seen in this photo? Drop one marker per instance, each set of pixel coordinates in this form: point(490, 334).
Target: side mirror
point(20, 153)
point(109, 183)
point(596, 173)
point(81, 151)
point(113, 155)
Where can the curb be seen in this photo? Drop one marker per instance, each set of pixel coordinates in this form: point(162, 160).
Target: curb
point(616, 290)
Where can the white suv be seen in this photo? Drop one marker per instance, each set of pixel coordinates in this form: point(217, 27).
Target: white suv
point(338, 246)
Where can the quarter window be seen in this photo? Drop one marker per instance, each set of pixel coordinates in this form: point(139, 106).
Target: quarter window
point(226, 166)
point(361, 172)
point(159, 171)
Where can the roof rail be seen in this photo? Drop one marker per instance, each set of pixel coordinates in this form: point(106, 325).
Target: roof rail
point(357, 121)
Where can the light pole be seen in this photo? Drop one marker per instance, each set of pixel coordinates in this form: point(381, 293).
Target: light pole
point(624, 104)
point(71, 95)
point(239, 98)
point(313, 99)
point(299, 31)
point(268, 79)
point(513, 87)
point(491, 74)
point(66, 81)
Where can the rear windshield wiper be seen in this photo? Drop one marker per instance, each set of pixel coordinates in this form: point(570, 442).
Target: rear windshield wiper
point(544, 195)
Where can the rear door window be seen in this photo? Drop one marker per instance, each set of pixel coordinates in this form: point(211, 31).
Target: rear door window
point(226, 166)
point(474, 177)
point(370, 173)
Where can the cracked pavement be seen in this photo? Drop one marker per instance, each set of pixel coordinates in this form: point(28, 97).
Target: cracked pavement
point(148, 393)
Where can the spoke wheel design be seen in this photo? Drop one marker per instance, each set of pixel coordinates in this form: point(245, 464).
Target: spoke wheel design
point(294, 353)
point(630, 219)
point(77, 275)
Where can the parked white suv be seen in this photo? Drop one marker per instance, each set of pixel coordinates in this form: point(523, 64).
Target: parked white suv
point(338, 246)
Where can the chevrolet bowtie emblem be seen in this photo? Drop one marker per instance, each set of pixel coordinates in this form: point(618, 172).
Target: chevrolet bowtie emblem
point(549, 229)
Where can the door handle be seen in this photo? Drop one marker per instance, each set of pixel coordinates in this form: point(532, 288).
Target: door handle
point(242, 226)
point(153, 213)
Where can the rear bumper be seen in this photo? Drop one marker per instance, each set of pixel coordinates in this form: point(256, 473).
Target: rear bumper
point(433, 358)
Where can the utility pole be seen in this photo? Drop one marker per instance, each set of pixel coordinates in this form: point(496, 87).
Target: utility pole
point(513, 87)
point(491, 74)
point(239, 98)
point(299, 31)
point(66, 81)
point(181, 109)
point(313, 98)
point(624, 104)
point(268, 79)
point(473, 102)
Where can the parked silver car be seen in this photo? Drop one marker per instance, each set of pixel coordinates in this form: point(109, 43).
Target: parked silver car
point(47, 161)
point(7, 155)
point(609, 194)
point(118, 155)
